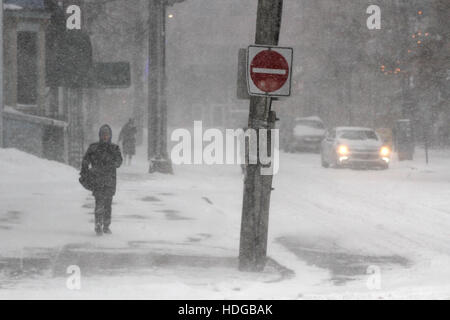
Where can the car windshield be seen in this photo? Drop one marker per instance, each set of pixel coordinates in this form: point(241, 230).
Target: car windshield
point(358, 135)
point(311, 124)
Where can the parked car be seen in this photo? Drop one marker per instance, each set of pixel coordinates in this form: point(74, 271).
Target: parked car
point(307, 134)
point(353, 146)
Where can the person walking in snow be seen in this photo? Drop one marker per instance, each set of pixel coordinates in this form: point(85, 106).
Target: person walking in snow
point(99, 169)
point(128, 137)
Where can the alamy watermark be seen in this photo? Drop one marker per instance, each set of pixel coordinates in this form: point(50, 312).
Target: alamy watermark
point(73, 282)
point(214, 147)
point(374, 20)
point(73, 21)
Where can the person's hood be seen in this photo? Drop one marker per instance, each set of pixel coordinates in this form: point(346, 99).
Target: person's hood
point(102, 128)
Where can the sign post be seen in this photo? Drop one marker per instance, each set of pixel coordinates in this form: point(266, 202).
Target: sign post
point(258, 187)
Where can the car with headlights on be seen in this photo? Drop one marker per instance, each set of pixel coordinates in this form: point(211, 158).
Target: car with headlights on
point(354, 146)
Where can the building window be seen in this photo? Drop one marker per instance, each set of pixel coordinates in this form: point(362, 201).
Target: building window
point(27, 71)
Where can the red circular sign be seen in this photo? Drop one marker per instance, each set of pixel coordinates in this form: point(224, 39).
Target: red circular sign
point(269, 71)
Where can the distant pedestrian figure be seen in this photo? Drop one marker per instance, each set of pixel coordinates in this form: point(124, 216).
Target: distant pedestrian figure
point(98, 172)
point(128, 137)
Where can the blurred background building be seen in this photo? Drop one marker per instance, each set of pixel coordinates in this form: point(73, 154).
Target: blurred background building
point(343, 72)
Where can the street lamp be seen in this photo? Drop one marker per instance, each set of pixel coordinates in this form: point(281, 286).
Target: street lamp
point(157, 96)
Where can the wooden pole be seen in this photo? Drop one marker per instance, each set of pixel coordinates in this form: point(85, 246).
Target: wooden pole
point(258, 187)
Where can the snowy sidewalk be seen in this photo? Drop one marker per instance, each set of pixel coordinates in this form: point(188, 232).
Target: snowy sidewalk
point(177, 236)
point(166, 232)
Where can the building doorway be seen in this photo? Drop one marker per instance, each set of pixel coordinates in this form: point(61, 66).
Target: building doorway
point(27, 71)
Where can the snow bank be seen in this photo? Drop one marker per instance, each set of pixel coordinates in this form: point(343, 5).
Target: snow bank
point(45, 197)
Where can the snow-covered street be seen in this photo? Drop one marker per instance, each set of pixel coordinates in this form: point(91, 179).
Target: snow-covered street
point(178, 236)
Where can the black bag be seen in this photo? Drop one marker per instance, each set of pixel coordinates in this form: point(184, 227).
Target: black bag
point(86, 179)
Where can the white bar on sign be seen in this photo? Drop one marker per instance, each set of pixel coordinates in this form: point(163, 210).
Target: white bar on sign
point(269, 71)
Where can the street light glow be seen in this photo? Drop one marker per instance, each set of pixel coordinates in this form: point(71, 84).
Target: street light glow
point(170, 16)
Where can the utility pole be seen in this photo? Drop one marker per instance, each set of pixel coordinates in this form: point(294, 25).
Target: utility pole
point(157, 104)
point(258, 187)
point(1, 74)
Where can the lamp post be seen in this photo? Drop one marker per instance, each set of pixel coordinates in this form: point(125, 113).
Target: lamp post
point(157, 100)
point(157, 96)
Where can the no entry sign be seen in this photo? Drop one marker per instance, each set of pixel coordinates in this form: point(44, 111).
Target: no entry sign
point(269, 70)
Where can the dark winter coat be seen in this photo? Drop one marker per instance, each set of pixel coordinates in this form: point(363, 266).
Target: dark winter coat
point(103, 158)
point(128, 137)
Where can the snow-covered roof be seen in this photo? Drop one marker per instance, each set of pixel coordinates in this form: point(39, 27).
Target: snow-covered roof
point(24, 4)
point(10, 6)
point(11, 112)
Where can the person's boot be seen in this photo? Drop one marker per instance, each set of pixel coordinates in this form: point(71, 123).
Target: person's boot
point(98, 229)
point(107, 230)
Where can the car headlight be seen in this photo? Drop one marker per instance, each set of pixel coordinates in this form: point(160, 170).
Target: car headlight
point(385, 151)
point(343, 150)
